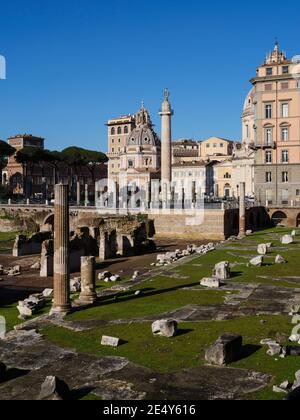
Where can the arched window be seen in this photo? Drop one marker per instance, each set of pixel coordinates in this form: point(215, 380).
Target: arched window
point(113, 131)
point(119, 130)
point(279, 217)
point(125, 129)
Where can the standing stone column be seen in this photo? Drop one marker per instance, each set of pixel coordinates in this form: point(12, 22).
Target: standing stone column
point(166, 138)
point(61, 302)
point(88, 283)
point(78, 193)
point(147, 199)
point(86, 195)
point(242, 209)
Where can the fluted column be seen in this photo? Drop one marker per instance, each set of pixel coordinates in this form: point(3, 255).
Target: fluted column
point(88, 283)
point(61, 302)
point(242, 209)
point(166, 138)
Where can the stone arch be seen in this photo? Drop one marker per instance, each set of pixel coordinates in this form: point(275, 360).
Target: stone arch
point(48, 223)
point(279, 217)
point(298, 220)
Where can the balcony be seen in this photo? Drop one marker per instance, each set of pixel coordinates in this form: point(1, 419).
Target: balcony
point(266, 145)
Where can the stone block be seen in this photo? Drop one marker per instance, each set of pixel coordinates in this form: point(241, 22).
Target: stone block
point(110, 341)
point(287, 240)
point(262, 249)
point(222, 271)
point(257, 261)
point(54, 389)
point(211, 282)
point(280, 260)
point(226, 350)
point(48, 293)
point(165, 328)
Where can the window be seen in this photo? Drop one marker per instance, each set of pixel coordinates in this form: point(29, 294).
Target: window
point(221, 145)
point(268, 111)
point(285, 110)
point(285, 134)
point(269, 71)
point(113, 131)
point(112, 140)
point(268, 177)
point(285, 156)
point(269, 136)
point(285, 196)
point(130, 164)
point(125, 129)
point(297, 193)
point(285, 69)
point(268, 87)
point(119, 141)
point(215, 145)
point(269, 156)
point(269, 196)
point(113, 150)
point(208, 145)
point(285, 177)
point(119, 130)
point(284, 85)
point(247, 131)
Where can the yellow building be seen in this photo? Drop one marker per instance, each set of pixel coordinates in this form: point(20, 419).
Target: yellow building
point(216, 148)
point(118, 131)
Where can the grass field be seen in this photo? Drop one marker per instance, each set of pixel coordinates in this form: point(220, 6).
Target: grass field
point(163, 294)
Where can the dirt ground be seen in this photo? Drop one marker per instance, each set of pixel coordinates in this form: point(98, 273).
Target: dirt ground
point(18, 288)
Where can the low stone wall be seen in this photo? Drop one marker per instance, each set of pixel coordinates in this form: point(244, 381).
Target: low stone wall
point(212, 225)
point(30, 246)
point(10, 225)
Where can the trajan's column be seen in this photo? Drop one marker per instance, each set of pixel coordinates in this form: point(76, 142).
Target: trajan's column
point(166, 138)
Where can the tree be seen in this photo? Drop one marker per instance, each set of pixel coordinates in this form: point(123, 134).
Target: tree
point(78, 158)
point(5, 152)
point(28, 158)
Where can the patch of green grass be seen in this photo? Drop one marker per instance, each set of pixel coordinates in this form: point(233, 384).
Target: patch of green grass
point(242, 273)
point(188, 348)
point(11, 313)
point(7, 240)
point(160, 295)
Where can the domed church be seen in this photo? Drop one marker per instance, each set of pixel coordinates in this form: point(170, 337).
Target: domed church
point(140, 159)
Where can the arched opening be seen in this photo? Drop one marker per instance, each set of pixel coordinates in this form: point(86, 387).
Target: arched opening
point(279, 217)
point(113, 131)
point(298, 220)
point(126, 130)
point(48, 224)
point(119, 130)
point(227, 191)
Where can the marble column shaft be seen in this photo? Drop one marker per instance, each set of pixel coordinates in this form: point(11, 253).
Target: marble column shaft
point(242, 209)
point(61, 301)
point(88, 283)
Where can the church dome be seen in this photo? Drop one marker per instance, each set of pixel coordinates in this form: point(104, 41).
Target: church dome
point(143, 134)
point(249, 100)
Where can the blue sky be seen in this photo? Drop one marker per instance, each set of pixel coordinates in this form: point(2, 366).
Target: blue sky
point(72, 65)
